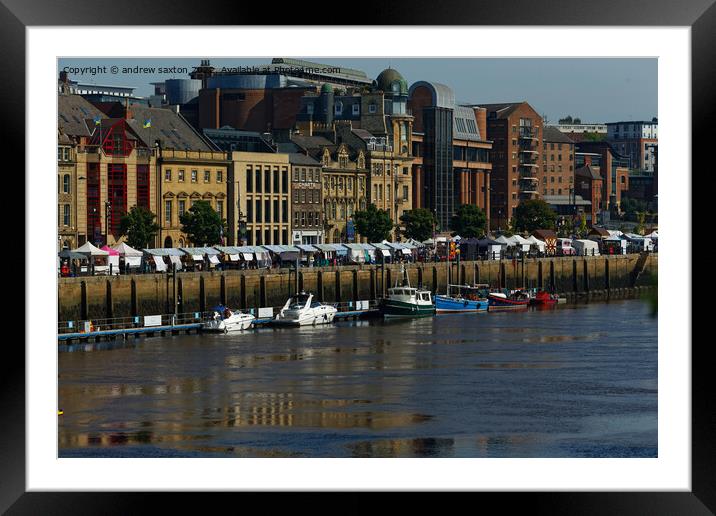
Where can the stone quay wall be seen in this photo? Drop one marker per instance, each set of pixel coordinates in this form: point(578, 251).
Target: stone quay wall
point(580, 277)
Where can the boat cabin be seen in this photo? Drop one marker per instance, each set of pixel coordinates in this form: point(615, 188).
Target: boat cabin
point(409, 294)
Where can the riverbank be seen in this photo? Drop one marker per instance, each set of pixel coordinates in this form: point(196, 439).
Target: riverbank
point(578, 278)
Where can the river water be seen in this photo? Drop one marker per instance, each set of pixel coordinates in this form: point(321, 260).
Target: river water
point(571, 381)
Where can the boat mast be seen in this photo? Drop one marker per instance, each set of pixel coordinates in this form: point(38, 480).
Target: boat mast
point(447, 261)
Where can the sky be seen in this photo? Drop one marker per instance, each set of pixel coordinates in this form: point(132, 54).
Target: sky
point(593, 89)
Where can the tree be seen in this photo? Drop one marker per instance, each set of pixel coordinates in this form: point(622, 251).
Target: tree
point(534, 214)
point(202, 224)
point(469, 221)
point(582, 231)
point(373, 223)
point(577, 121)
point(566, 120)
point(139, 227)
point(419, 223)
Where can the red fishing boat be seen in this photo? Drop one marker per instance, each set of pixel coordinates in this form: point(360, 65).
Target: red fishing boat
point(516, 299)
point(544, 298)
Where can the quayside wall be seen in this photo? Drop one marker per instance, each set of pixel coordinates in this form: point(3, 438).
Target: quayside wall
point(100, 297)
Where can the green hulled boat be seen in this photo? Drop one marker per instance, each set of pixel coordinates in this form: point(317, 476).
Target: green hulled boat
point(406, 301)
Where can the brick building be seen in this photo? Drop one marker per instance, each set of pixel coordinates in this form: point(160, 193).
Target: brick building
point(306, 200)
point(516, 131)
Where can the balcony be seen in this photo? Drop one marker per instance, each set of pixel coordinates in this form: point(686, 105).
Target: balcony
point(528, 133)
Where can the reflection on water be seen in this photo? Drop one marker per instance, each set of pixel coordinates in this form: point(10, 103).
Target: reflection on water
point(555, 383)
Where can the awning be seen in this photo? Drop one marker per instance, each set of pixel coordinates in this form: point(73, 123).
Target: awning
point(326, 248)
point(133, 261)
point(159, 261)
point(234, 257)
point(176, 261)
point(213, 259)
point(306, 247)
point(385, 252)
point(197, 257)
point(289, 256)
point(248, 256)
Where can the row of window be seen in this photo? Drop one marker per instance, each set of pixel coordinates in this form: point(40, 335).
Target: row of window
point(181, 175)
point(169, 219)
point(260, 180)
point(259, 237)
point(559, 157)
point(378, 193)
point(306, 175)
point(63, 154)
point(302, 219)
point(306, 196)
point(260, 211)
point(340, 182)
point(559, 179)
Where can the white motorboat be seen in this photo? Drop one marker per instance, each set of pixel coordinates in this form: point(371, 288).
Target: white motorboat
point(225, 320)
point(302, 310)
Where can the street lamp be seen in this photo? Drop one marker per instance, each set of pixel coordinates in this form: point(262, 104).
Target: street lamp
point(107, 215)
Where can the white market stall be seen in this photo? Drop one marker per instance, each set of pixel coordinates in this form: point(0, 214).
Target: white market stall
point(98, 259)
point(132, 257)
point(586, 247)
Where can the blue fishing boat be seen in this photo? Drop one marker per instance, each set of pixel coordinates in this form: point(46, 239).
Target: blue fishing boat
point(462, 298)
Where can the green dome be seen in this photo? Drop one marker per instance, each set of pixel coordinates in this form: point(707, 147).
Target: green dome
point(386, 79)
point(326, 88)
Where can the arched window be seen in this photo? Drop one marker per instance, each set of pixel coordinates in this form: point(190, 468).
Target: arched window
point(168, 241)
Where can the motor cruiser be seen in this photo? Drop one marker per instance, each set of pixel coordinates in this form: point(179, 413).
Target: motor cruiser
point(302, 310)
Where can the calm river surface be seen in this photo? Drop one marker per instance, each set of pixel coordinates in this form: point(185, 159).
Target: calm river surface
point(575, 381)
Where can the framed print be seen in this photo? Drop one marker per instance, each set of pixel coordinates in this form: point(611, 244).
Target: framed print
point(413, 254)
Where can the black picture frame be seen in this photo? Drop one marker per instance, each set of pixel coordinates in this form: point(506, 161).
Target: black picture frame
point(700, 15)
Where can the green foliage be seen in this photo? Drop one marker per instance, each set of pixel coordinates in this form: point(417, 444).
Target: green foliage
point(582, 231)
point(418, 224)
point(593, 137)
point(202, 224)
point(139, 227)
point(534, 214)
point(469, 221)
point(373, 223)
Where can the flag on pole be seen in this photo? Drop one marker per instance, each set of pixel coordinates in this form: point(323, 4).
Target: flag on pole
point(147, 123)
point(97, 120)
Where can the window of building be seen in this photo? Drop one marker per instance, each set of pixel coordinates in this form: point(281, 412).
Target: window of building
point(259, 218)
point(275, 210)
point(219, 176)
point(551, 191)
point(303, 219)
point(284, 181)
point(249, 180)
point(551, 179)
point(295, 219)
point(284, 211)
point(559, 179)
point(339, 108)
point(258, 180)
point(356, 109)
point(267, 211)
point(168, 213)
point(249, 210)
point(66, 183)
point(276, 180)
point(143, 186)
point(220, 208)
point(181, 175)
point(168, 174)
point(194, 176)
point(182, 207)
point(372, 108)
point(295, 195)
point(207, 176)
point(267, 180)
point(559, 191)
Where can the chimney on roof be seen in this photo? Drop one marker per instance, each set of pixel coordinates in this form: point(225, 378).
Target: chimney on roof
point(127, 112)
